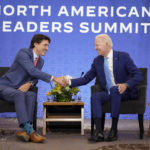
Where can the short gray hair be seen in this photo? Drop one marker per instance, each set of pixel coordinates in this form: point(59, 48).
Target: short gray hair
point(105, 38)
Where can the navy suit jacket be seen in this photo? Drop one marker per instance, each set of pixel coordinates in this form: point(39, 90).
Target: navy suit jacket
point(124, 70)
point(23, 70)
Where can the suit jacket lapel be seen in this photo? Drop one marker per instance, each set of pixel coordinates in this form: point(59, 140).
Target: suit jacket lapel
point(40, 63)
point(31, 55)
point(101, 71)
point(115, 63)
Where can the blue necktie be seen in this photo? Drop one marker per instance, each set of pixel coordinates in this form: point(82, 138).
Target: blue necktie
point(107, 74)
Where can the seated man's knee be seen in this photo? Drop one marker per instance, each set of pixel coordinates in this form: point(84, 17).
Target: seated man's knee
point(19, 93)
point(114, 89)
point(30, 93)
point(96, 97)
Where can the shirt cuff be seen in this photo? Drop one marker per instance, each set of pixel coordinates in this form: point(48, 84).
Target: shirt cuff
point(69, 82)
point(52, 78)
point(32, 83)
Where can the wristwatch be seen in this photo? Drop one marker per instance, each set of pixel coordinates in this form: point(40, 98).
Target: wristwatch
point(31, 83)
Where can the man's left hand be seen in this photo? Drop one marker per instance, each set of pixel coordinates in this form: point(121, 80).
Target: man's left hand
point(122, 87)
point(25, 87)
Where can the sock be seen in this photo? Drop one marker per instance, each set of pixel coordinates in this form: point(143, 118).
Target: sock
point(98, 124)
point(28, 128)
point(114, 123)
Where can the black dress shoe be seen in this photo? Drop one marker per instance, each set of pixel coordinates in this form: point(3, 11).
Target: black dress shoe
point(112, 136)
point(97, 137)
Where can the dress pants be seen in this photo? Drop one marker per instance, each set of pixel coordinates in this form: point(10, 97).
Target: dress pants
point(24, 102)
point(97, 99)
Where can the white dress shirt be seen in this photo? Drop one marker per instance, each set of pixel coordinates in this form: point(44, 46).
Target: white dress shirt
point(34, 56)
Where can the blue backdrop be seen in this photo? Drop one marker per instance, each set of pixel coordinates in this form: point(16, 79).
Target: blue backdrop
point(72, 26)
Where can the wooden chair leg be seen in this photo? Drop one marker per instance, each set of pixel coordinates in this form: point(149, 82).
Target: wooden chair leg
point(140, 119)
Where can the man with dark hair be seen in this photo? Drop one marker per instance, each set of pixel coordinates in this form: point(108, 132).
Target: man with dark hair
point(37, 38)
point(24, 73)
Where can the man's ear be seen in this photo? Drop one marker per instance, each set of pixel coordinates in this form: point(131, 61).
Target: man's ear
point(108, 45)
point(35, 44)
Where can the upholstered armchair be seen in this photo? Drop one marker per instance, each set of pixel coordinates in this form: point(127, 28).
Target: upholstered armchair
point(127, 107)
point(6, 106)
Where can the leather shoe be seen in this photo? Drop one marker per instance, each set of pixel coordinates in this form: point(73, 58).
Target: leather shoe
point(36, 138)
point(23, 136)
point(97, 137)
point(112, 136)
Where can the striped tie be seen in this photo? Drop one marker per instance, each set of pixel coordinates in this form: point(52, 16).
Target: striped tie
point(36, 61)
point(107, 74)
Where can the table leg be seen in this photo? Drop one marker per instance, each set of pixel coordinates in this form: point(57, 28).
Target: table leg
point(44, 121)
point(82, 121)
point(149, 131)
point(149, 125)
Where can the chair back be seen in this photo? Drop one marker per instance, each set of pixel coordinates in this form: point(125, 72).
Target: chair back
point(144, 81)
point(3, 70)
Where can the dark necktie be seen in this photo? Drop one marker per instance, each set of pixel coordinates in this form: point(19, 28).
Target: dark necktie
point(36, 60)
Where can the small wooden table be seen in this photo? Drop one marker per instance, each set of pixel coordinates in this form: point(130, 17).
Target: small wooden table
point(149, 125)
point(55, 112)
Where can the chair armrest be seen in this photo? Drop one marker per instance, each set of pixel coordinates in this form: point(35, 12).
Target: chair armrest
point(142, 93)
point(95, 88)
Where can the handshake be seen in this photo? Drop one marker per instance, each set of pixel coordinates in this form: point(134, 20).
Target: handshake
point(63, 81)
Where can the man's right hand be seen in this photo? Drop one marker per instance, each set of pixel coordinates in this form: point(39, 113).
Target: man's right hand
point(61, 80)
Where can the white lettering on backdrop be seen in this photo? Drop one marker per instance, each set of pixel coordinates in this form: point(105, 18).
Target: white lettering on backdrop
point(50, 19)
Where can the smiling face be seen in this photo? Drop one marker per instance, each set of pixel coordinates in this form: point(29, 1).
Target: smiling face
point(41, 48)
point(102, 46)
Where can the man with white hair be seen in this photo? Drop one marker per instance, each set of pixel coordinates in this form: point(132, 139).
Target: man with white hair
point(118, 77)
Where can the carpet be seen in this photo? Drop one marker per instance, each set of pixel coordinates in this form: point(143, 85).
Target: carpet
point(125, 147)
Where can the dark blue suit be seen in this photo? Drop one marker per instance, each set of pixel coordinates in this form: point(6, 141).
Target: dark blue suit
point(22, 71)
point(124, 70)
